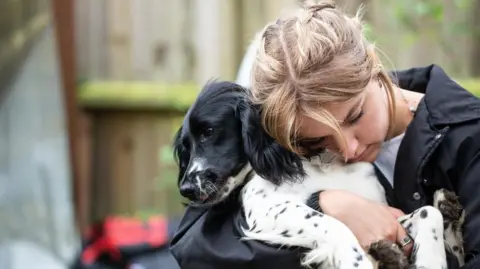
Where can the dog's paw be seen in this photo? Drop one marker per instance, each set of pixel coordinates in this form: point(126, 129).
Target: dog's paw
point(448, 204)
point(453, 219)
point(337, 257)
point(388, 255)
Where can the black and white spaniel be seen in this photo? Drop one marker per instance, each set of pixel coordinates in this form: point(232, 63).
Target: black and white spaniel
point(221, 146)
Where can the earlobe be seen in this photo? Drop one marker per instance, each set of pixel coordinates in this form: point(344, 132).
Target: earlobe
point(268, 158)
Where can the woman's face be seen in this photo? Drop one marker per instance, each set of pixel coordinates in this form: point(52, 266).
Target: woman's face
point(364, 124)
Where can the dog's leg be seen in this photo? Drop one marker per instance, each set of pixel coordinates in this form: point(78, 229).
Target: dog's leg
point(425, 226)
point(453, 219)
point(293, 224)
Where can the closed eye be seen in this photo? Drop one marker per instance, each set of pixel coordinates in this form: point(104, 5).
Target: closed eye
point(356, 118)
point(356, 113)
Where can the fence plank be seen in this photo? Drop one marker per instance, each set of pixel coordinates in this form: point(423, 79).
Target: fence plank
point(91, 32)
point(207, 33)
point(130, 176)
point(119, 42)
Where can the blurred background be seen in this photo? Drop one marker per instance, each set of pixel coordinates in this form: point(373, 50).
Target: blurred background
point(92, 91)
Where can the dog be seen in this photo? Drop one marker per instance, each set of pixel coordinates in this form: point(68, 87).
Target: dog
point(221, 146)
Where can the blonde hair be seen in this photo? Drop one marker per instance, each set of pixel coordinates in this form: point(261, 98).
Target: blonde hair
point(308, 58)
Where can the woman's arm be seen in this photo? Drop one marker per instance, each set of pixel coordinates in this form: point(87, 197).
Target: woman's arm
point(211, 239)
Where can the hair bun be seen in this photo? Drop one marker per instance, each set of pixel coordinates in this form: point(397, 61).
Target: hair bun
point(314, 6)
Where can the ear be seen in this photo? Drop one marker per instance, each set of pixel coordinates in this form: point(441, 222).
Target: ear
point(181, 154)
point(268, 158)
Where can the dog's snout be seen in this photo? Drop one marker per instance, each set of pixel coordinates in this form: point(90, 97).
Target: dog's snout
point(188, 191)
point(193, 186)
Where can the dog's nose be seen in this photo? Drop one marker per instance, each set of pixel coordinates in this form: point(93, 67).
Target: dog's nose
point(187, 190)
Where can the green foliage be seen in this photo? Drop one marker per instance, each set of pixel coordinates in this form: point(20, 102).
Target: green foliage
point(369, 32)
point(426, 17)
point(472, 85)
point(417, 14)
point(166, 155)
point(166, 181)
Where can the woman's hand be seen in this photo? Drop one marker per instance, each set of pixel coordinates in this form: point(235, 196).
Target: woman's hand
point(369, 221)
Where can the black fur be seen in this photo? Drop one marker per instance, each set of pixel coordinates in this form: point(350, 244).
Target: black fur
point(223, 128)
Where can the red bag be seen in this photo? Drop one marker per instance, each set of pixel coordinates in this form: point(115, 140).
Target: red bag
point(117, 241)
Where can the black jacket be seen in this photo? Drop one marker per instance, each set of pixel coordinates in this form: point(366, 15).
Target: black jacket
point(441, 149)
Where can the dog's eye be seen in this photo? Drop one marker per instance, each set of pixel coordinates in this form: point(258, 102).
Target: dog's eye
point(206, 133)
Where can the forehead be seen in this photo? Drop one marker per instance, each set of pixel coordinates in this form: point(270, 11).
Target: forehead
point(311, 128)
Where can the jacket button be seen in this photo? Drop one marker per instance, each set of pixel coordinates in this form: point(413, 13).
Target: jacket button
point(417, 196)
point(438, 136)
point(425, 181)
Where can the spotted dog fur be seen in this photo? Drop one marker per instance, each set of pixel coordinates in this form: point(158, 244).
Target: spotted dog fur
point(278, 215)
point(221, 147)
point(453, 219)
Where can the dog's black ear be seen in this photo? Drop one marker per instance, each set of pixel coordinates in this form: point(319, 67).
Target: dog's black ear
point(268, 158)
point(181, 154)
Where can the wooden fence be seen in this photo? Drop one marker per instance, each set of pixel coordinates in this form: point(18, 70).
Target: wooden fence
point(132, 55)
point(130, 147)
point(187, 40)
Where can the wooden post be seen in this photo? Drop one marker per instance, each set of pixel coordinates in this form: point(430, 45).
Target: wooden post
point(64, 17)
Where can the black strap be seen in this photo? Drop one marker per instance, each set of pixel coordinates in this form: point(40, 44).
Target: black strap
point(386, 185)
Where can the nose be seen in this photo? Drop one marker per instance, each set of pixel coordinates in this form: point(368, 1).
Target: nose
point(352, 147)
point(187, 190)
point(194, 182)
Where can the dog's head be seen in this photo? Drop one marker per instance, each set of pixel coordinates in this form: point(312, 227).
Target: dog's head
point(221, 140)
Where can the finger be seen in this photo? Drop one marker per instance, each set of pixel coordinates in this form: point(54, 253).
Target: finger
point(402, 235)
point(396, 212)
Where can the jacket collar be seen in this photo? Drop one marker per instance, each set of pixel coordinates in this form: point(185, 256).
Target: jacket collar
point(439, 90)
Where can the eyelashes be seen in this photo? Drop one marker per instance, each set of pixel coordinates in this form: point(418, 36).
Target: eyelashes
point(357, 118)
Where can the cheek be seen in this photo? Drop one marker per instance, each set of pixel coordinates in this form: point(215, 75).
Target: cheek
point(375, 127)
point(380, 113)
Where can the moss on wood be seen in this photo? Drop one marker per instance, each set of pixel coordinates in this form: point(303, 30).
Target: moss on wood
point(159, 96)
point(137, 95)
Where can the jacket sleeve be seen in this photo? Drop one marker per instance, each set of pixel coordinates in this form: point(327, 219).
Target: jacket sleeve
point(468, 188)
point(210, 238)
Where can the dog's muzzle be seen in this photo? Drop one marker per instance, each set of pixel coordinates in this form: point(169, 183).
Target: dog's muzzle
point(193, 185)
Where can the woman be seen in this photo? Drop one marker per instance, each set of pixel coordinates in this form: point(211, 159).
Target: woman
point(321, 85)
